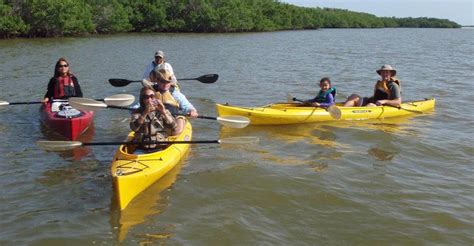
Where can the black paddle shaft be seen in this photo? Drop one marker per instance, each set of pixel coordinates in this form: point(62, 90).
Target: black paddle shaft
point(153, 142)
point(207, 117)
point(297, 100)
point(200, 116)
point(206, 79)
point(24, 103)
point(38, 102)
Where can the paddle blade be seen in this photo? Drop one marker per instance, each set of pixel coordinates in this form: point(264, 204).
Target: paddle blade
point(334, 111)
point(86, 104)
point(4, 103)
point(239, 140)
point(234, 121)
point(119, 100)
point(58, 145)
point(208, 78)
point(289, 98)
point(121, 82)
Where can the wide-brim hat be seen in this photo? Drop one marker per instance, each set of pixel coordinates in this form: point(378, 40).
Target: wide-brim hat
point(387, 68)
point(164, 75)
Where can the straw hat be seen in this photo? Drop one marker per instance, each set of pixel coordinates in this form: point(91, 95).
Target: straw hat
point(387, 68)
point(164, 75)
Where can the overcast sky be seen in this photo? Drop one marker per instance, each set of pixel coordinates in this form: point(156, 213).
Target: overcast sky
point(460, 11)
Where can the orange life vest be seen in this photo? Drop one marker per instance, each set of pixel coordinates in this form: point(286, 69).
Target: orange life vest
point(382, 85)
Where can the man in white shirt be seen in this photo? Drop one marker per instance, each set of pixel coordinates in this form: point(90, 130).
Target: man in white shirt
point(159, 61)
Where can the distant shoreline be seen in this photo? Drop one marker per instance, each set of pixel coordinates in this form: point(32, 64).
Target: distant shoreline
point(92, 35)
point(32, 19)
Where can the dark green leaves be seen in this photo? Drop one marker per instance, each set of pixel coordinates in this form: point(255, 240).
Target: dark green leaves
point(46, 18)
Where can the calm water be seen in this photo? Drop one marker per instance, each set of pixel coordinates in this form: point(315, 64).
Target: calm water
point(400, 181)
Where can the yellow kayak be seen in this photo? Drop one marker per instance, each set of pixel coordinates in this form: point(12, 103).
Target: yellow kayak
point(145, 205)
point(132, 173)
point(294, 113)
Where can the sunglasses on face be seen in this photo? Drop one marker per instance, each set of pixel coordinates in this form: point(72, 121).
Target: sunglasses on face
point(163, 81)
point(148, 96)
point(63, 65)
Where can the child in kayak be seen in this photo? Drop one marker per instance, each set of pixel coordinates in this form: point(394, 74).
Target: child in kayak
point(151, 122)
point(326, 95)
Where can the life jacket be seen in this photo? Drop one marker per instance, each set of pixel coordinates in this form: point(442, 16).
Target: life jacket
point(64, 87)
point(153, 130)
point(321, 97)
point(169, 101)
point(381, 91)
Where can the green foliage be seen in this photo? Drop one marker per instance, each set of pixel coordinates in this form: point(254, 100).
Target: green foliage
point(46, 18)
point(57, 18)
point(146, 16)
point(426, 23)
point(11, 25)
point(109, 16)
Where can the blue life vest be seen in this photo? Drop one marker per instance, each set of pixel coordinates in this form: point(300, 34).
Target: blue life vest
point(321, 97)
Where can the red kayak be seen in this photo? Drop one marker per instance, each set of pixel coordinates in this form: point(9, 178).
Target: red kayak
point(66, 120)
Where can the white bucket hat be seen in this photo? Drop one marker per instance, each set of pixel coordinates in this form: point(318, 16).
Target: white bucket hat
point(387, 68)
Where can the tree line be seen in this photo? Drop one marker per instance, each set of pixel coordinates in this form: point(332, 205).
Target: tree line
point(52, 18)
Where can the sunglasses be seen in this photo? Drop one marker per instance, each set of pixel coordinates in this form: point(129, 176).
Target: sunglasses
point(163, 81)
point(65, 65)
point(145, 97)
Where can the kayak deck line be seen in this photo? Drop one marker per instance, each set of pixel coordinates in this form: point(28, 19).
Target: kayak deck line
point(124, 166)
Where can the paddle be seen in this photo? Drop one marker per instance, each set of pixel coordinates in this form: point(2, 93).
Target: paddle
point(206, 79)
point(5, 103)
point(65, 145)
point(233, 121)
point(119, 100)
point(333, 110)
